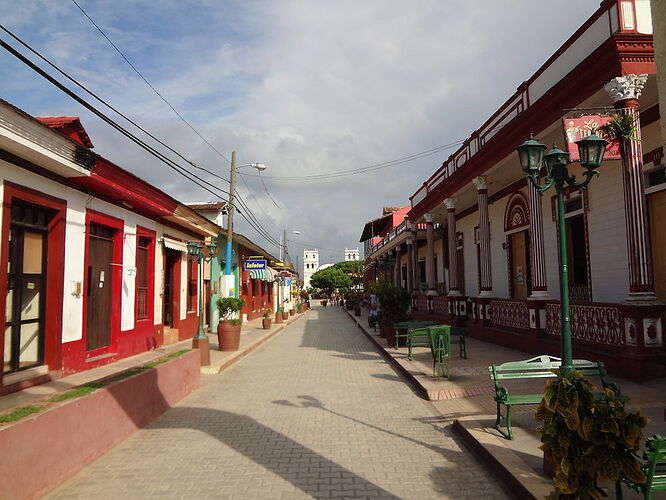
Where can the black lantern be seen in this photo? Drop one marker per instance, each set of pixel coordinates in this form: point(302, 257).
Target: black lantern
point(193, 248)
point(530, 153)
point(591, 150)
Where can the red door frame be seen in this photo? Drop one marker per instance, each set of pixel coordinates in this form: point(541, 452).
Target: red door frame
point(93, 217)
point(54, 269)
point(175, 299)
point(150, 306)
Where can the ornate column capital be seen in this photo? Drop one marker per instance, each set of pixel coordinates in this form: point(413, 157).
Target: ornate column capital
point(428, 218)
point(626, 87)
point(481, 182)
point(450, 203)
point(409, 241)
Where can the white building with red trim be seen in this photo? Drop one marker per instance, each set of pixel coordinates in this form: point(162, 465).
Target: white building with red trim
point(94, 260)
point(479, 245)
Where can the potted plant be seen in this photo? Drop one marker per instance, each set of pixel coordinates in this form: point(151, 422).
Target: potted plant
point(228, 329)
point(278, 316)
point(394, 302)
point(266, 321)
point(587, 439)
point(285, 314)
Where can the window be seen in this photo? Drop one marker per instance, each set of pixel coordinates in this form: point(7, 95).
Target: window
point(144, 259)
point(191, 285)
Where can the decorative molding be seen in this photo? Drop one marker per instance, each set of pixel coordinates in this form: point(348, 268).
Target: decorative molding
point(516, 214)
point(481, 182)
point(450, 203)
point(626, 87)
point(428, 218)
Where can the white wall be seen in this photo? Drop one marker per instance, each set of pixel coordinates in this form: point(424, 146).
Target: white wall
point(466, 226)
point(77, 205)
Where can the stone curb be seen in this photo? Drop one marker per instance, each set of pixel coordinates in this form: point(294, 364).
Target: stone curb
point(247, 349)
point(517, 477)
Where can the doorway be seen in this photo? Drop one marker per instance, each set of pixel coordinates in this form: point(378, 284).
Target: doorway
point(25, 306)
point(169, 304)
point(520, 279)
point(100, 279)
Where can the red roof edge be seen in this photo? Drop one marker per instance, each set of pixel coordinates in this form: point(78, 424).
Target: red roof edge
point(69, 126)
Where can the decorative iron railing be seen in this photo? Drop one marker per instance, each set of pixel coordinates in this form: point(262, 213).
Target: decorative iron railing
point(509, 313)
point(440, 304)
point(580, 293)
point(421, 302)
point(598, 323)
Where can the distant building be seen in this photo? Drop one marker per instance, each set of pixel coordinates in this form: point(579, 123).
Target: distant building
point(310, 265)
point(352, 254)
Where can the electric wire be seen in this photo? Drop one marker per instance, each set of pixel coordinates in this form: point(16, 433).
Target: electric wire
point(160, 156)
point(240, 200)
point(148, 83)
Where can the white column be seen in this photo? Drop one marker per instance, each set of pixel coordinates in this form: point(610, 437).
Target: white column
point(625, 91)
point(454, 286)
point(485, 271)
point(537, 253)
point(430, 256)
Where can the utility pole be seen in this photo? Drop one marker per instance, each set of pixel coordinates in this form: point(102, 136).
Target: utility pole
point(230, 211)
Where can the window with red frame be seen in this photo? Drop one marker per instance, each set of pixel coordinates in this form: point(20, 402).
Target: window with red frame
point(191, 285)
point(144, 249)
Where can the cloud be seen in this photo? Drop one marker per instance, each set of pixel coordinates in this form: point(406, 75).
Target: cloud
point(305, 87)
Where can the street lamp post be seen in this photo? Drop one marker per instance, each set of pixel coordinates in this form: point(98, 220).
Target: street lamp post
point(200, 340)
point(532, 160)
point(230, 209)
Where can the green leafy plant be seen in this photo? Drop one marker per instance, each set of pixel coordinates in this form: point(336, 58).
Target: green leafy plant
point(394, 301)
point(588, 439)
point(228, 307)
point(268, 312)
point(620, 127)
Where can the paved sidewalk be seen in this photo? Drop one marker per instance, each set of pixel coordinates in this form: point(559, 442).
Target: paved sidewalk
point(315, 413)
point(467, 396)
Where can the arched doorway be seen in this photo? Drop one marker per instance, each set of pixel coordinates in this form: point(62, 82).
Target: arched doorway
point(516, 228)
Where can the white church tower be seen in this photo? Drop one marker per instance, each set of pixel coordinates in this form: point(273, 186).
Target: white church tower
point(352, 254)
point(310, 265)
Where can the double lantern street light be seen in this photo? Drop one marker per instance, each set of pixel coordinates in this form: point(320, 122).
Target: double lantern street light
point(556, 161)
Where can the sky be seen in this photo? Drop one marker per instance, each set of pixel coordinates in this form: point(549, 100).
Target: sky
point(306, 87)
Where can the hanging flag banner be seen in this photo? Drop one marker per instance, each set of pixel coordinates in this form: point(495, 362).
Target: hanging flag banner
point(579, 128)
point(255, 264)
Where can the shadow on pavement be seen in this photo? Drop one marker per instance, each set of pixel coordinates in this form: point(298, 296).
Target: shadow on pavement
point(293, 462)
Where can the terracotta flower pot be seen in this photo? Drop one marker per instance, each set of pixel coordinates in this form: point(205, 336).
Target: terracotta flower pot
point(323, 303)
point(285, 315)
point(228, 336)
point(266, 323)
point(291, 312)
point(278, 318)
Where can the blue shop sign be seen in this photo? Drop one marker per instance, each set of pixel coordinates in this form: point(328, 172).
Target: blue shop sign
point(253, 264)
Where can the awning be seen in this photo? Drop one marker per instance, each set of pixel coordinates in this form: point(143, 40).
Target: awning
point(272, 272)
point(260, 274)
point(180, 246)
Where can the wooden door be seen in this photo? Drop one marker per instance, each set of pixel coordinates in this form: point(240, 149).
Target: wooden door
point(519, 263)
point(100, 287)
point(657, 207)
point(24, 326)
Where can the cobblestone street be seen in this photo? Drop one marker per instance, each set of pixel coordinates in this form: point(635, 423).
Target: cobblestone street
point(314, 413)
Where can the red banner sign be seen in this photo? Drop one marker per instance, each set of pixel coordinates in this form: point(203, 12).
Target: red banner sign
point(576, 129)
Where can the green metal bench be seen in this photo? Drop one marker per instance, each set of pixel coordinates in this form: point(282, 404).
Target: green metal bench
point(654, 468)
point(408, 330)
point(538, 367)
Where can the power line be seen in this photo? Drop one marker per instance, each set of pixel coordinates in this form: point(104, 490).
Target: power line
point(370, 168)
point(147, 82)
point(160, 156)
